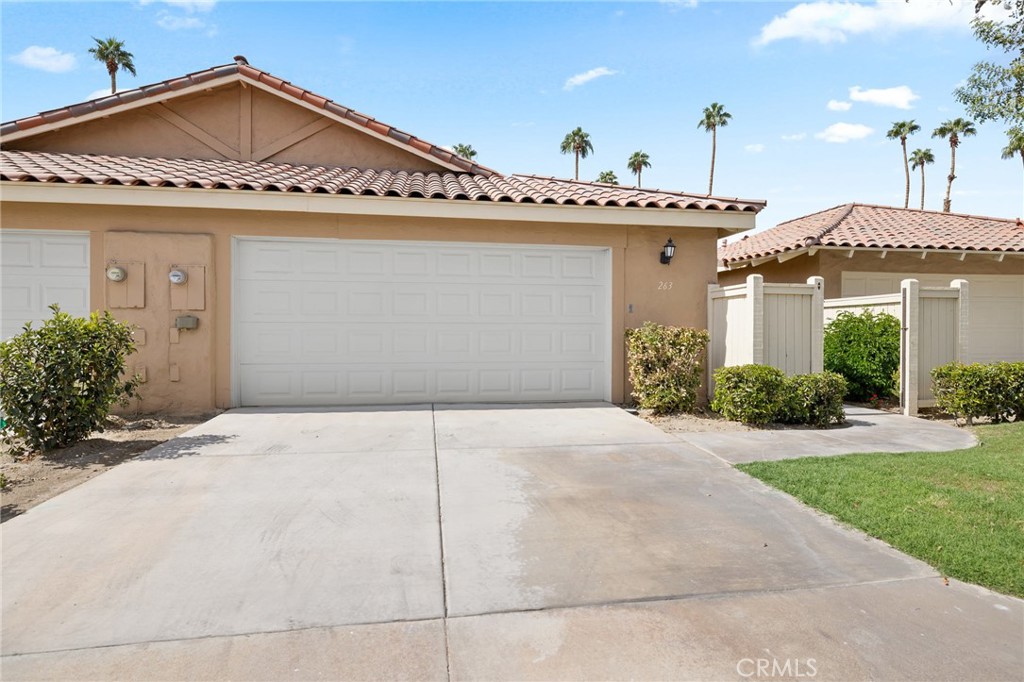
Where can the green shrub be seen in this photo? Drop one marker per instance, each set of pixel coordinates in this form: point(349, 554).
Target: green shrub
point(759, 395)
point(752, 394)
point(865, 349)
point(815, 399)
point(1013, 397)
point(665, 366)
point(994, 390)
point(60, 381)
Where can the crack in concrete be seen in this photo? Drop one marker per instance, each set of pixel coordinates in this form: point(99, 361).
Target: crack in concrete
point(440, 538)
point(709, 596)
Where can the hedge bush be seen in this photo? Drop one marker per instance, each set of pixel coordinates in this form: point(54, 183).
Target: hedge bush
point(815, 399)
point(994, 390)
point(752, 394)
point(61, 380)
point(865, 349)
point(758, 395)
point(665, 366)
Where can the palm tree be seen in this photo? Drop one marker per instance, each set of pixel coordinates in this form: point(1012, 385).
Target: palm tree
point(609, 177)
point(577, 142)
point(466, 151)
point(900, 131)
point(715, 117)
point(953, 129)
point(1015, 144)
point(918, 159)
point(112, 53)
point(636, 164)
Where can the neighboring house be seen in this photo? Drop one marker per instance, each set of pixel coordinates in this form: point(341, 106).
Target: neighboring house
point(862, 250)
point(319, 256)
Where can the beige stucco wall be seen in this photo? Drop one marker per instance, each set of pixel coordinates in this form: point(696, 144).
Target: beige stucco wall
point(831, 265)
point(195, 373)
point(233, 122)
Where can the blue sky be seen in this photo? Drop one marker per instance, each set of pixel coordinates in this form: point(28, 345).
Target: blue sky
point(812, 87)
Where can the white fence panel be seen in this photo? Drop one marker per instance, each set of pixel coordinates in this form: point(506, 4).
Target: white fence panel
point(879, 303)
point(934, 330)
point(773, 324)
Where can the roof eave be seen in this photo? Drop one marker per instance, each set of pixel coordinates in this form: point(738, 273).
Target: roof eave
point(783, 256)
point(249, 200)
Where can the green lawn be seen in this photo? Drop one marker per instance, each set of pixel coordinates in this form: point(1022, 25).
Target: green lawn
point(961, 511)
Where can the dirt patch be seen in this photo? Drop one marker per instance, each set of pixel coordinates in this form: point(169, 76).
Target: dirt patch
point(35, 478)
point(701, 421)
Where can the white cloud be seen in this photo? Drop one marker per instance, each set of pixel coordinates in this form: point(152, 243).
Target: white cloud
point(795, 137)
point(827, 21)
point(45, 59)
point(103, 92)
point(675, 5)
point(754, 148)
point(189, 6)
point(836, 105)
point(587, 76)
point(173, 22)
point(900, 97)
point(844, 132)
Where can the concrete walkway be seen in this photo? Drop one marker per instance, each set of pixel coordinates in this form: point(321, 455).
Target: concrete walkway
point(468, 542)
point(866, 430)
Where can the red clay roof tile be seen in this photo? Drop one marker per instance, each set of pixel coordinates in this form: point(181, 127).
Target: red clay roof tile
point(882, 227)
point(22, 166)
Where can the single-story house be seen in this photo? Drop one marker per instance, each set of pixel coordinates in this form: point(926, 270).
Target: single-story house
point(863, 250)
point(273, 247)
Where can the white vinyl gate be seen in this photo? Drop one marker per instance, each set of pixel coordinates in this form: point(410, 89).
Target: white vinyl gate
point(334, 322)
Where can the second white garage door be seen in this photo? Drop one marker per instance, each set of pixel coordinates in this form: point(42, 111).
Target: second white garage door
point(331, 322)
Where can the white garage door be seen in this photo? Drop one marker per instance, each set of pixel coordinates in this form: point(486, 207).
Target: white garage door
point(40, 268)
point(330, 322)
point(996, 312)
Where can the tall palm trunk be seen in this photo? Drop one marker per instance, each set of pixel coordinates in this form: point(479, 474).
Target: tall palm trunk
point(906, 172)
point(112, 70)
point(922, 186)
point(714, 148)
point(577, 164)
point(639, 177)
point(949, 180)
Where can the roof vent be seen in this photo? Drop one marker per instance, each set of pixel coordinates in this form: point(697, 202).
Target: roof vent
point(241, 60)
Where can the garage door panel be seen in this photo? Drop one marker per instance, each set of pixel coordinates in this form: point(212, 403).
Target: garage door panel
point(335, 322)
point(404, 344)
point(39, 269)
point(290, 261)
point(270, 385)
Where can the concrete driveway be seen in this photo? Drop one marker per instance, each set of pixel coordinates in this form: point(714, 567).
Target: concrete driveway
point(468, 542)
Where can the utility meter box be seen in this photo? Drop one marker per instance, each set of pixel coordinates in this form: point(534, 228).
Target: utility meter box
point(186, 322)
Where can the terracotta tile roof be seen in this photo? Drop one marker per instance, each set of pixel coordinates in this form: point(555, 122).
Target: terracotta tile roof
point(882, 227)
point(241, 69)
point(22, 166)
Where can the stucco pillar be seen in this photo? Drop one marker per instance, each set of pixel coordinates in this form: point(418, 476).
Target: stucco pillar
point(755, 303)
point(910, 343)
point(963, 323)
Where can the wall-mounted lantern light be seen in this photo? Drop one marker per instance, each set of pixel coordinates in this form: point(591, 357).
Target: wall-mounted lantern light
point(177, 276)
point(115, 273)
point(667, 252)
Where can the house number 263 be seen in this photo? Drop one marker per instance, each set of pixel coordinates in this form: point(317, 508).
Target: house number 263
point(664, 286)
